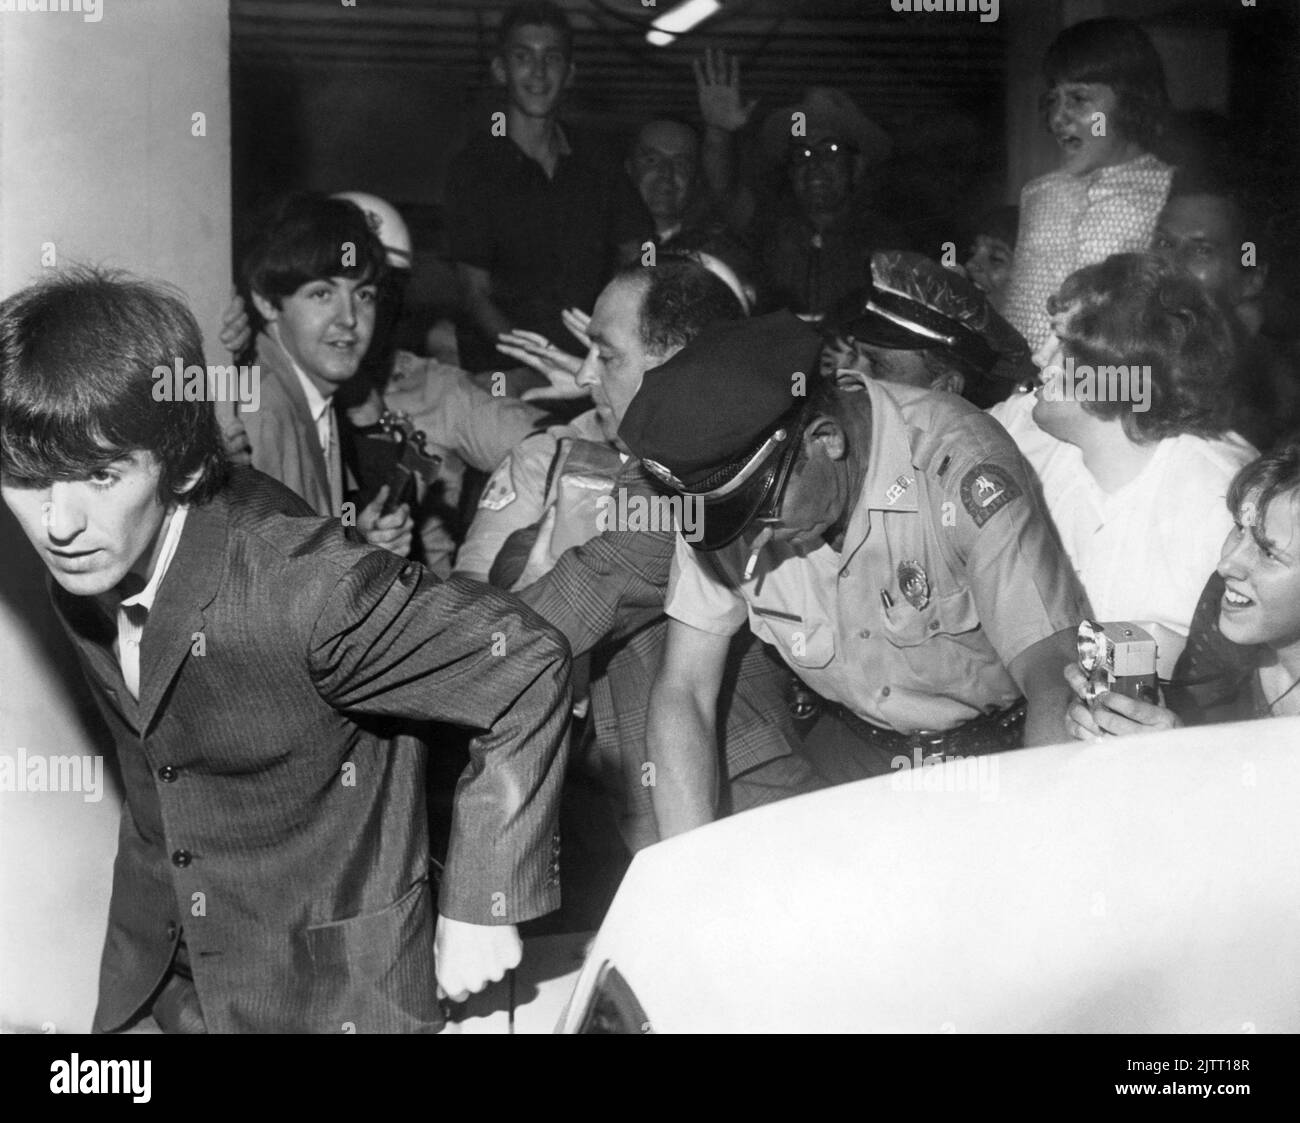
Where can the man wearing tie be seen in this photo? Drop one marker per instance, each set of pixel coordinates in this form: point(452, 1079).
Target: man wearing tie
point(313, 271)
point(251, 663)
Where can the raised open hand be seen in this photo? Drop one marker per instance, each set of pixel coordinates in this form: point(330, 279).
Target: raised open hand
point(558, 367)
point(717, 81)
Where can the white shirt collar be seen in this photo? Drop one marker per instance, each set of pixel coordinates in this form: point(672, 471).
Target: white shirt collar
point(171, 540)
point(317, 403)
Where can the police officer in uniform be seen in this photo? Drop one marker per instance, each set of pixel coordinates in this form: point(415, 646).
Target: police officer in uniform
point(884, 538)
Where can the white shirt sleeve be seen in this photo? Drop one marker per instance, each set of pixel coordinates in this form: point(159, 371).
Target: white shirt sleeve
point(696, 597)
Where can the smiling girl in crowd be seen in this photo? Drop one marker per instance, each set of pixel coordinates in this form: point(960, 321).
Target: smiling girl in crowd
point(1106, 105)
point(1242, 658)
point(993, 254)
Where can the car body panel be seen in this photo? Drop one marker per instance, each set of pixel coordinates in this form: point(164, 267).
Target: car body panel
point(1136, 884)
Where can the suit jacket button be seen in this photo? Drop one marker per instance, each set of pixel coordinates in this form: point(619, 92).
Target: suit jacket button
point(171, 930)
point(181, 858)
point(168, 773)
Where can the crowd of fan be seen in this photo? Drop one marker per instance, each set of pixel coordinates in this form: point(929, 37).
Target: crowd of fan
point(580, 273)
point(915, 477)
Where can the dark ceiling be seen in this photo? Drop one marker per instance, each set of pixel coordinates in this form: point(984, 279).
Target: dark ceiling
point(894, 65)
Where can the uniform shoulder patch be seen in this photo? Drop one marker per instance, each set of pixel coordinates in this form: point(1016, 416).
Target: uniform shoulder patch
point(986, 489)
point(500, 490)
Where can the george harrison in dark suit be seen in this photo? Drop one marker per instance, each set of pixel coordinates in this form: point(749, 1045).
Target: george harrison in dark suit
point(247, 656)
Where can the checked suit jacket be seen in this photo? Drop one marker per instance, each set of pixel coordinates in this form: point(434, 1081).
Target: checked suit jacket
point(270, 814)
point(607, 597)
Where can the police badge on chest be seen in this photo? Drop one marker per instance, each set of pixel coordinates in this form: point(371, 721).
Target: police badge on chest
point(914, 584)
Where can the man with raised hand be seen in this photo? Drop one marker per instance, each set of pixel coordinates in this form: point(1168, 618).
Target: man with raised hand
point(606, 590)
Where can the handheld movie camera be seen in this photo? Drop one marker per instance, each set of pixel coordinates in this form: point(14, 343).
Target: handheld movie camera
point(1119, 657)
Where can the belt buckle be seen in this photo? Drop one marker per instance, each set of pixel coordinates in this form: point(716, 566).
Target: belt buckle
point(929, 743)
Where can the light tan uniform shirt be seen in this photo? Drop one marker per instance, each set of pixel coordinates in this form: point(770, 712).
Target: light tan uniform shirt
point(521, 492)
point(463, 424)
point(950, 569)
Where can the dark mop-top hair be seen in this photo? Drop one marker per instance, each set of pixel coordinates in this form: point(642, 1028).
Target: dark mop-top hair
point(307, 236)
point(77, 358)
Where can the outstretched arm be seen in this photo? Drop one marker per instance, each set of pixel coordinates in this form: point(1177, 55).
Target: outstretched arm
point(390, 640)
point(725, 112)
point(610, 586)
point(682, 736)
point(1038, 672)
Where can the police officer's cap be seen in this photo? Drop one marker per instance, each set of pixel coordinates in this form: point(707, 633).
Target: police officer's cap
point(722, 418)
point(915, 304)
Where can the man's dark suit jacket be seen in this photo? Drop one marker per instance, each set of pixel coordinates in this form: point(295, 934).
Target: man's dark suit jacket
point(267, 812)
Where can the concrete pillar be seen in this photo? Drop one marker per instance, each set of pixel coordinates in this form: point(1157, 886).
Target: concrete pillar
point(104, 160)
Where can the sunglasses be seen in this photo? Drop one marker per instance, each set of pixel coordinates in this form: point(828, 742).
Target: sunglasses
point(822, 152)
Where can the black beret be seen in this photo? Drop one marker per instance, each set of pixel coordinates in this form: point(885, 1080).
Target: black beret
point(721, 394)
point(717, 418)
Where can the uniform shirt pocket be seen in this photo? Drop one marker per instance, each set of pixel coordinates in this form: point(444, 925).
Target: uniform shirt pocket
point(950, 615)
point(804, 644)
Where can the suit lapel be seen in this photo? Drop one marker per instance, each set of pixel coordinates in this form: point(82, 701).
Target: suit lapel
point(190, 584)
point(313, 469)
point(92, 636)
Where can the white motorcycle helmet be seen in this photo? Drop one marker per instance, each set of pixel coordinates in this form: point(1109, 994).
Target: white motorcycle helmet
point(386, 223)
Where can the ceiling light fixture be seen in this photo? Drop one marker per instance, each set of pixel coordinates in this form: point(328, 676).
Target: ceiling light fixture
point(677, 21)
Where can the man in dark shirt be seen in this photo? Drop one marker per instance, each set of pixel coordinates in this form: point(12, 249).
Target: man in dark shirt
point(538, 218)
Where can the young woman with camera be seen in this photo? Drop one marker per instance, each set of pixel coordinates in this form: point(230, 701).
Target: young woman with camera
point(1128, 435)
point(1242, 658)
